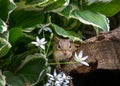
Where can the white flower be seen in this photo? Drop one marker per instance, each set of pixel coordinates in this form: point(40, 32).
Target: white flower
point(55, 76)
point(58, 79)
point(45, 28)
point(39, 42)
point(79, 58)
point(66, 79)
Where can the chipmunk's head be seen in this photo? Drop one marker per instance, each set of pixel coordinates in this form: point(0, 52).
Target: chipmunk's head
point(62, 49)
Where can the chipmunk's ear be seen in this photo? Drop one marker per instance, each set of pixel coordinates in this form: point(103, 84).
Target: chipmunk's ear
point(57, 39)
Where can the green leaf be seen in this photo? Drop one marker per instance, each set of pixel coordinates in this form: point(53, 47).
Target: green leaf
point(2, 79)
point(60, 31)
point(4, 47)
point(5, 35)
point(3, 26)
point(15, 34)
point(34, 4)
point(58, 5)
point(6, 7)
point(92, 18)
point(26, 19)
point(37, 1)
point(95, 1)
point(30, 71)
point(108, 9)
point(67, 11)
point(18, 58)
point(31, 67)
point(13, 80)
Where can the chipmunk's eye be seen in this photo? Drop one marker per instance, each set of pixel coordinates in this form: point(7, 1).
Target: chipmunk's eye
point(58, 46)
point(70, 46)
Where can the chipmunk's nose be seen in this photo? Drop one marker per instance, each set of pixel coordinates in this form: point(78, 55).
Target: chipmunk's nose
point(64, 52)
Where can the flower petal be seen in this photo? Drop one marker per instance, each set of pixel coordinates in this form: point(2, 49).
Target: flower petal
point(40, 31)
point(76, 57)
point(35, 43)
point(48, 29)
point(84, 63)
point(66, 82)
point(50, 75)
point(42, 46)
point(57, 83)
point(42, 40)
point(80, 54)
point(60, 74)
point(47, 84)
point(55, 74)
point(84, 58)
point(37, 39)
point(64, 76)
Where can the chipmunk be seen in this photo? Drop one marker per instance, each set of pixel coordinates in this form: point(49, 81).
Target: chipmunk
point(63, 50)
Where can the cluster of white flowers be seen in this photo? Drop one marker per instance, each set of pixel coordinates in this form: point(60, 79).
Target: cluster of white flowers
point(58, 79)
point(61, 79)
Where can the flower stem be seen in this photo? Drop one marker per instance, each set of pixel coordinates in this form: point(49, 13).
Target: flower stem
point(51, 36)
point(62, 63)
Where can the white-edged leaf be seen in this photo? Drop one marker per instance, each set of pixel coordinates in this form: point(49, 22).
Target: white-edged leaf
point(104, 8)
point(30, 71)
point(92, 18)
point(57, 6)
point(60, 31)
point(4, 47)
point(2, 79)
point(94, 1)
point(3, 26)
point(40, 2)
point(30, 58)
point(6, 7)
point(32, 67)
